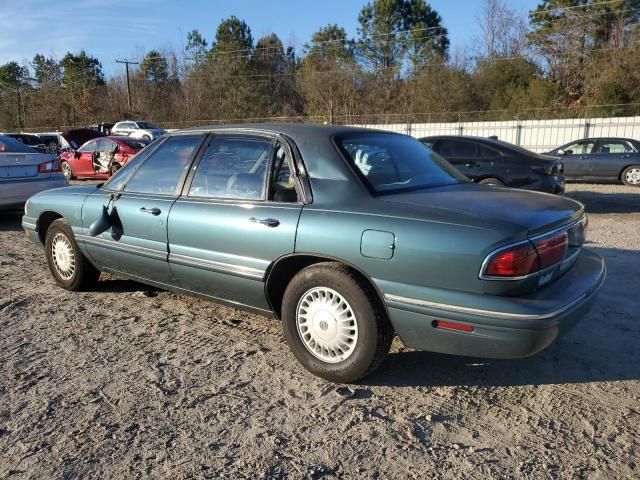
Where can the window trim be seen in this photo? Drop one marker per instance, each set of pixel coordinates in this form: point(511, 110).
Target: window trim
point(274, 138)
point(183, 176)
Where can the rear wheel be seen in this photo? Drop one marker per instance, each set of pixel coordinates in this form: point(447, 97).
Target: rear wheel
point(69, 267)
point(491, 181)
point(631, 176)
point(66, 170)
point(334, 323)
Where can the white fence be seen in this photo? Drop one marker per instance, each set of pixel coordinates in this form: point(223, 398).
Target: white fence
point(536, 135)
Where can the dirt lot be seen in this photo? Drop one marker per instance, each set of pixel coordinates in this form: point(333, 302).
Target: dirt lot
point(130, 382)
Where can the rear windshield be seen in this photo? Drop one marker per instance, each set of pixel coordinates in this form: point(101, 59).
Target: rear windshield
point(391, 162)
point(11, 145)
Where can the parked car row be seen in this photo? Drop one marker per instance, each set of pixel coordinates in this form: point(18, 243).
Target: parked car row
point(494, 162)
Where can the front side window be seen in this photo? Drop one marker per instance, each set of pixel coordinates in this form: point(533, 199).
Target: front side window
point(579, 148)
point(162, 170)
point(390, 162)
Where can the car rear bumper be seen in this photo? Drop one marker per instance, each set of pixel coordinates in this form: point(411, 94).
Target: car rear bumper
point(14, 193)
point(503, 327)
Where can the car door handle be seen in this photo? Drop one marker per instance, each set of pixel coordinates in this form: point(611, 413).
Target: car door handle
point(150, 211)
point(267, 222)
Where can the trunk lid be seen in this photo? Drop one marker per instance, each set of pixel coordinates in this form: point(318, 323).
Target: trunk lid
point(534, 211)
point(16, 166)
point(76, 138)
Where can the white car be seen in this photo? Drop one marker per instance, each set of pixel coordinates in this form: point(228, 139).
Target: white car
point(143, 130)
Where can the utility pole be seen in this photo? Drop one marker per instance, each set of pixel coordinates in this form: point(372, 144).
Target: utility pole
point(126, 63)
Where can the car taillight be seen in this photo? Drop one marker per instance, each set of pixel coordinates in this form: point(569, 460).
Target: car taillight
point(518, 261)
point(552, 249)
point(578, 233)
point(49, 167)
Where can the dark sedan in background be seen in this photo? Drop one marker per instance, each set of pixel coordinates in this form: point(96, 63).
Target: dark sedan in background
point(602, 159)
point(493, 162)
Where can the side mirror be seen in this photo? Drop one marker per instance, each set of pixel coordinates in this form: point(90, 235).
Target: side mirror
point(102, 224)
point(76, 154)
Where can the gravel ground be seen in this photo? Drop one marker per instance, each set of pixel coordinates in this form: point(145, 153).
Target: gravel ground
point(130, 382)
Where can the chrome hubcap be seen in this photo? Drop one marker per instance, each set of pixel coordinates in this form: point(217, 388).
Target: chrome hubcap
point(64, 260)
point(633, 176)
point(327, 325)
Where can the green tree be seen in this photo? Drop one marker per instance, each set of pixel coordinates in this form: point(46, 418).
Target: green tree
point(328, 78)
point(196, 47)
point(154, 68)
point(14, 78)
point(47, 70)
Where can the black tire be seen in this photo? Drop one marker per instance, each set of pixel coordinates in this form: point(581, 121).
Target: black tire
point(636, 177)
point(146, 137)
point(114, 168)
point(374, 331)
point(494, 182)
point(83, 275)
point(66, 170)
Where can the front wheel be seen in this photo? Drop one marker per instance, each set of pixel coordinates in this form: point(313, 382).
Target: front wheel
point(334, 323)
point(66, 170)
point(631, 176)
point(69, 267)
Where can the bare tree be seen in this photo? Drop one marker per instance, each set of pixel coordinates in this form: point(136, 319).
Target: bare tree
point(503, 30)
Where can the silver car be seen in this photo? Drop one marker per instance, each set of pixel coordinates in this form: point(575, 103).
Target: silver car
point(137, 129)
point(24, 172)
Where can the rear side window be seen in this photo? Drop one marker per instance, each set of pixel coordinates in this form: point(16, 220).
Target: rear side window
point(162, 170)
point(456, 148)
point(613, 147)
point(233, 167)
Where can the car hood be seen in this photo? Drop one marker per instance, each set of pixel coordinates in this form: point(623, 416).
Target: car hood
point(75, 138)
point(534, 211)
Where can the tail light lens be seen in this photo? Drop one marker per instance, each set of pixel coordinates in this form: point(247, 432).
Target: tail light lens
point(513, 262)
point(552, 249)
point(50, 166)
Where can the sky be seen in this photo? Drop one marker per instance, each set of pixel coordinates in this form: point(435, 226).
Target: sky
point(118, 29)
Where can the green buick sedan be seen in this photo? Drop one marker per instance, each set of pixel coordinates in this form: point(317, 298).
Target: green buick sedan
point(349, 236)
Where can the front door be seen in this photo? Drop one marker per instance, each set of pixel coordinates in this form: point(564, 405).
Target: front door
point(142, 194)
point(82, 163)
point(239, 214)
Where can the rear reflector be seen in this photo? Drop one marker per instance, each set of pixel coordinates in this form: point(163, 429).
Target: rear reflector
point(552, 249)
point(453, 326)
point(514, 262)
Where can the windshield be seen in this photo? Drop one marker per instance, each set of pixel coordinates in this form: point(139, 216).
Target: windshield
point(146, 125)
point(391, 162)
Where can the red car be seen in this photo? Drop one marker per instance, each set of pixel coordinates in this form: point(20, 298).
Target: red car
point(99, 157)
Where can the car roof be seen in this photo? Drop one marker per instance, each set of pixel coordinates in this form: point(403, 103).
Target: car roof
point(289, 129)
point(600, 139)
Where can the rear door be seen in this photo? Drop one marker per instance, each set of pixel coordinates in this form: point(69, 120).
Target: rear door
point(239, 212)
point(463, 155)
point(141, 194)
point(609, 157)
point(577, 159)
